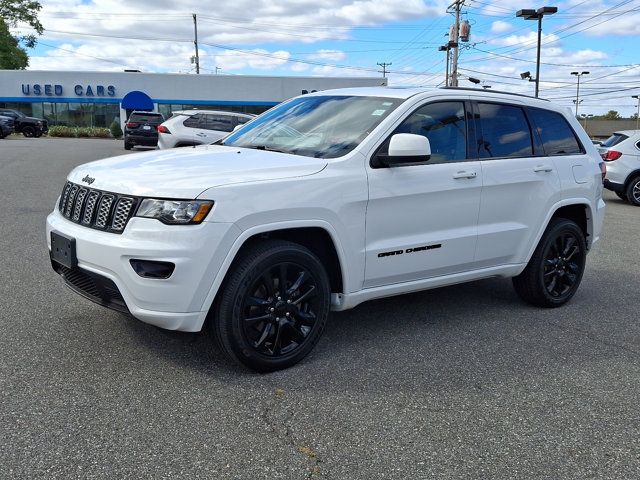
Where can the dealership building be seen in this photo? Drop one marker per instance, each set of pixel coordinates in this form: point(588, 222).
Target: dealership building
point(95, 99)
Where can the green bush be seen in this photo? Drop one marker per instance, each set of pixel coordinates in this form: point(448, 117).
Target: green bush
point(75, 132)
point(116, 131)
point(61, 131)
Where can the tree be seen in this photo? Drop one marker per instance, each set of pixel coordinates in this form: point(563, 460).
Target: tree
point(12, 55)
point(611, 115)
point(13, 12)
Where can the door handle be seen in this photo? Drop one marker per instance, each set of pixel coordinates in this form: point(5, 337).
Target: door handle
point(460, 175)
point(201, 134)
point(543, 168)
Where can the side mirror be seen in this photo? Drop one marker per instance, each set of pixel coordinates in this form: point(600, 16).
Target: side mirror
point(238, 127)
point(406, 149)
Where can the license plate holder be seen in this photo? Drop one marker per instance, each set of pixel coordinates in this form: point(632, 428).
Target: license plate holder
point(63, 250)
point(146, 127)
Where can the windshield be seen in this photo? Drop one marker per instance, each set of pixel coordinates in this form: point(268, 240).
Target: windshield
point(315, 126)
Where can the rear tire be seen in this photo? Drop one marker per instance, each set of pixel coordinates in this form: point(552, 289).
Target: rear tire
point(28, 132)
point(127, 146)
point(272, 307)
point(633, 191)
point(555, 270)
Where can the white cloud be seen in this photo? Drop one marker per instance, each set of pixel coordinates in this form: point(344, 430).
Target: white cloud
point(329, 55)
point(260, 59)
point(501, 27)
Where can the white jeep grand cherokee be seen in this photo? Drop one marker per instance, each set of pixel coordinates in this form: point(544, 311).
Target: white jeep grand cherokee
point(327, 201)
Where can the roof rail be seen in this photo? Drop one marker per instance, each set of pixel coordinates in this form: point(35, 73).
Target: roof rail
point(476, 90)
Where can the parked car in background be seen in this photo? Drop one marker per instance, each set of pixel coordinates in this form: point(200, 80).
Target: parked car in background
point(621, 151)
point(142, 129)
point(28, 126)
point(6, 126)
point(196, 127)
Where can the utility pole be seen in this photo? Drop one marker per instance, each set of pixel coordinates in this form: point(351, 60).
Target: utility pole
point(195, 42)
point(530, 14)
point(637, 97)
point(577, 102)
point(384, 70)
point(457, 5)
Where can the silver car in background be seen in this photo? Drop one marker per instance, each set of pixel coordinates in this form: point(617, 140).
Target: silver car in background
point(187, 128)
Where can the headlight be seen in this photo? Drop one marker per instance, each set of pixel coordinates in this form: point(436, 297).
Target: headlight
point(39, 124)
point(175, 212)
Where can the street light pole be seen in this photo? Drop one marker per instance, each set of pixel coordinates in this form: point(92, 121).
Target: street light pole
point(578, 74)
point(530, 14)
point(637, 97)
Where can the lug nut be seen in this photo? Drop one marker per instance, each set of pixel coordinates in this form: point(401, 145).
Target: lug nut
point(272, 309)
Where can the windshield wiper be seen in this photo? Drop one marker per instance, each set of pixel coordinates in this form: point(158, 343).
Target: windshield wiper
point(266, 148)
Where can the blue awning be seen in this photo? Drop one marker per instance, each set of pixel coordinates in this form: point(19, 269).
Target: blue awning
point(137, 101)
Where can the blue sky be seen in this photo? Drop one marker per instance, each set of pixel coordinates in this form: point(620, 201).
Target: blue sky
point(349, 37)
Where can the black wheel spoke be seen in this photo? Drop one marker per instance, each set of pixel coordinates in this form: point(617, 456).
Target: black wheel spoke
point(282, 278)
point(298, 283)
point(265, 334)
point(296, 334)
point(254, 320)
point(267, 280)
point(306, 318)
point(571, 241)
point(310, 293)
point(275, 348)
point(257, 302)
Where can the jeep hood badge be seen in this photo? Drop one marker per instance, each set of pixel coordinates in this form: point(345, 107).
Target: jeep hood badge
point(88, 179)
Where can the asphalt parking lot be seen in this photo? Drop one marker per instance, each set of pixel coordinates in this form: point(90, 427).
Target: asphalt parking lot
point(460, 382)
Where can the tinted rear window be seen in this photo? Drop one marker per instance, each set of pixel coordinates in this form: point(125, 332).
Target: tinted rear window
point(146, 118)
point(558, 138)
point(614, 139)
point(505, 132)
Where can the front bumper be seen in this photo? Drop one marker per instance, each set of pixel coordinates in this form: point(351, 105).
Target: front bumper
point(175, 303)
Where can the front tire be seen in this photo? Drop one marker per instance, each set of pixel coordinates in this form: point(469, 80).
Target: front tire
point(28, 132)
point(127, 146)
point(633, 191)
point(273, 306)
point(555, 270)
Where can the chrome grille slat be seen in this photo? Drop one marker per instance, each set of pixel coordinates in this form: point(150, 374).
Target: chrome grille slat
point(89, 208)
point(103, 212)
point(121, 214)
point(77, 209)
point(70, 200)
point(109, 212)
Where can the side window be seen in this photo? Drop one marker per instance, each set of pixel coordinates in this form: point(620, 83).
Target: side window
point(504, 132)
point(445, 126)
point(194, 121)
point(242, 120)
point(558, 138)
point(222, 123)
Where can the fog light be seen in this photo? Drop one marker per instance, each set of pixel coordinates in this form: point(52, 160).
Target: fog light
point(152, 269)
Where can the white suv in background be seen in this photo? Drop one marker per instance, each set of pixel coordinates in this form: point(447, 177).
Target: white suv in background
point(329, 200)
point(621, 151)
point(197, 127)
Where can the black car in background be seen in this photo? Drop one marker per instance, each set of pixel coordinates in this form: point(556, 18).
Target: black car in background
point(28, 126)
point(142, 129)
point(6, 126)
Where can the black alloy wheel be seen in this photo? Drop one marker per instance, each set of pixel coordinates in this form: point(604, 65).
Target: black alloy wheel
point(555, 270)
point(37, 134)
point(633, 192)
point(563, 263)
point(28, 132)
point(278, 310)
point(273, 306)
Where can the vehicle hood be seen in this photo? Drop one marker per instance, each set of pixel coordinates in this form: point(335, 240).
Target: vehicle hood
point(187, 172)
point(32, 119)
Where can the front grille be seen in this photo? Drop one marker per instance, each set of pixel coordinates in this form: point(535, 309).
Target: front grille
point(95, 287)
point(105, 211)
